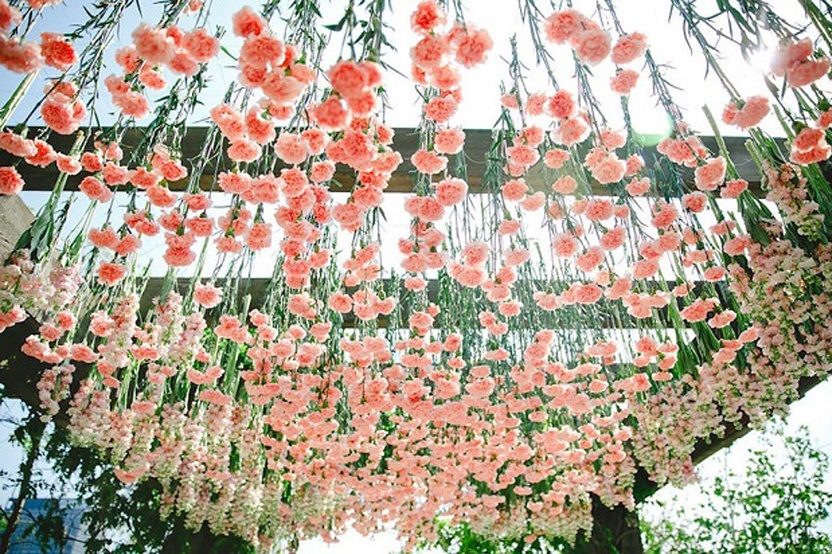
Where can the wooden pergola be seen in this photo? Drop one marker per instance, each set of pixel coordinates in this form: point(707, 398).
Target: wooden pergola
point(19, 373)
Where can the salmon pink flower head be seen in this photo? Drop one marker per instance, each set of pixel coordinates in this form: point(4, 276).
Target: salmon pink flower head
point(428, 162)
point(451, 191)
point(561, 105)
point(62, 113)
point(10, 181)
point(709, 176)
point(20, 57)
point(794, 60)
point(562, 26)
point(349, 79)
point(753, 110)
point(244, 150)
point(807, 72)
point(291, 148)
point(8, 16)
point(201, 45)
point(734, 188)
point(426, 17)
point(110, 273)
point(609, 170)
point(555, 158)
point(95, 189)
point(430, 52)
point(247, 23)
point(440, 108)
point(153, 45)
point(262, 50)
point(449, 141)
point(628, 48)
point(624, 82)
point(471, 45)
point(57, 51)
point(564, 245)
point(572, 131)
point(592, 45)
point(810, 146)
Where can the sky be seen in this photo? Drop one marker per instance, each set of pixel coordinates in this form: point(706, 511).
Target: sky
point(479, 109)
point(481, 85)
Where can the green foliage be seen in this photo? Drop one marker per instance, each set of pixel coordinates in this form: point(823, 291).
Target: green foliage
point(460, 539)
point(774, 507)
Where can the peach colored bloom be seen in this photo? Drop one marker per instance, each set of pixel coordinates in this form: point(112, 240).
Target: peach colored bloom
point(426, 17)
point(591, 45)
point(624, 82)
point(10, 181)
point(472, 46)
point(247, 23)
point(153, 45)
point(201, 45)
point(449, 141)
point(563, 25)
point(628, 48)
point(57, 51)
point(20, 57)
point(710, 175)
point(207, 295)
point(111, 273)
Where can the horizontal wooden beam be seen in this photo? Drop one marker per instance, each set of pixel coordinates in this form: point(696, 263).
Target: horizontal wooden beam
point(406, 142)
point(730, 432)
point(604, 314)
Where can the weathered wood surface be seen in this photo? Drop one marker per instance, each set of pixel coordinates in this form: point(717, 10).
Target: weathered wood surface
point(15, 219)
point(406, 140)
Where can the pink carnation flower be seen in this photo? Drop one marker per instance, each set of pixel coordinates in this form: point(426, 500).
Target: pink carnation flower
point(624, 82)
point(154, 46)
point(628, 48)
point(10, 181)
point(592, 45)
point(57, 51)
point(563, 25)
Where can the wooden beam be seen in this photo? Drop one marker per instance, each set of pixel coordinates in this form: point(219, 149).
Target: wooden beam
point(604, 314)
point(730, 432)
point(406, 142)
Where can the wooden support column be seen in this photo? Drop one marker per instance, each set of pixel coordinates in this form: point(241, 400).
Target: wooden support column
point(15, 219)
point(614, 531)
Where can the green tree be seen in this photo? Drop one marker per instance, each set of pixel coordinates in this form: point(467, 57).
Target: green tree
point(774, 506)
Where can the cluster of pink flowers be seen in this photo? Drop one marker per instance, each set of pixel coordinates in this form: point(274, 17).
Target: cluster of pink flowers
point(809, 146)
point(787, 188)
point(748, 113)
point(152, 49)
point(795, 60)
point(25, 56)
point(592, 45)
point(266, 63)
point(22, 56)
point(352, 396)
point(62, 110)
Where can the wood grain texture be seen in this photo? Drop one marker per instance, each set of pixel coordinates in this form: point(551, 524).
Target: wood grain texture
point(405, 141)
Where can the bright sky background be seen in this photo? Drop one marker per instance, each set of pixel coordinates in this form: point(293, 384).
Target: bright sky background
point(480, 85)
point(479, 110)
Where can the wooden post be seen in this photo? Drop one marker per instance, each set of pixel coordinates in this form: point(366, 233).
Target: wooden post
point(614, 531)
point(15, 219)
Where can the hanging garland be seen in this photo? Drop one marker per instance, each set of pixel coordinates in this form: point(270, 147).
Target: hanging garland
point(591, 307)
